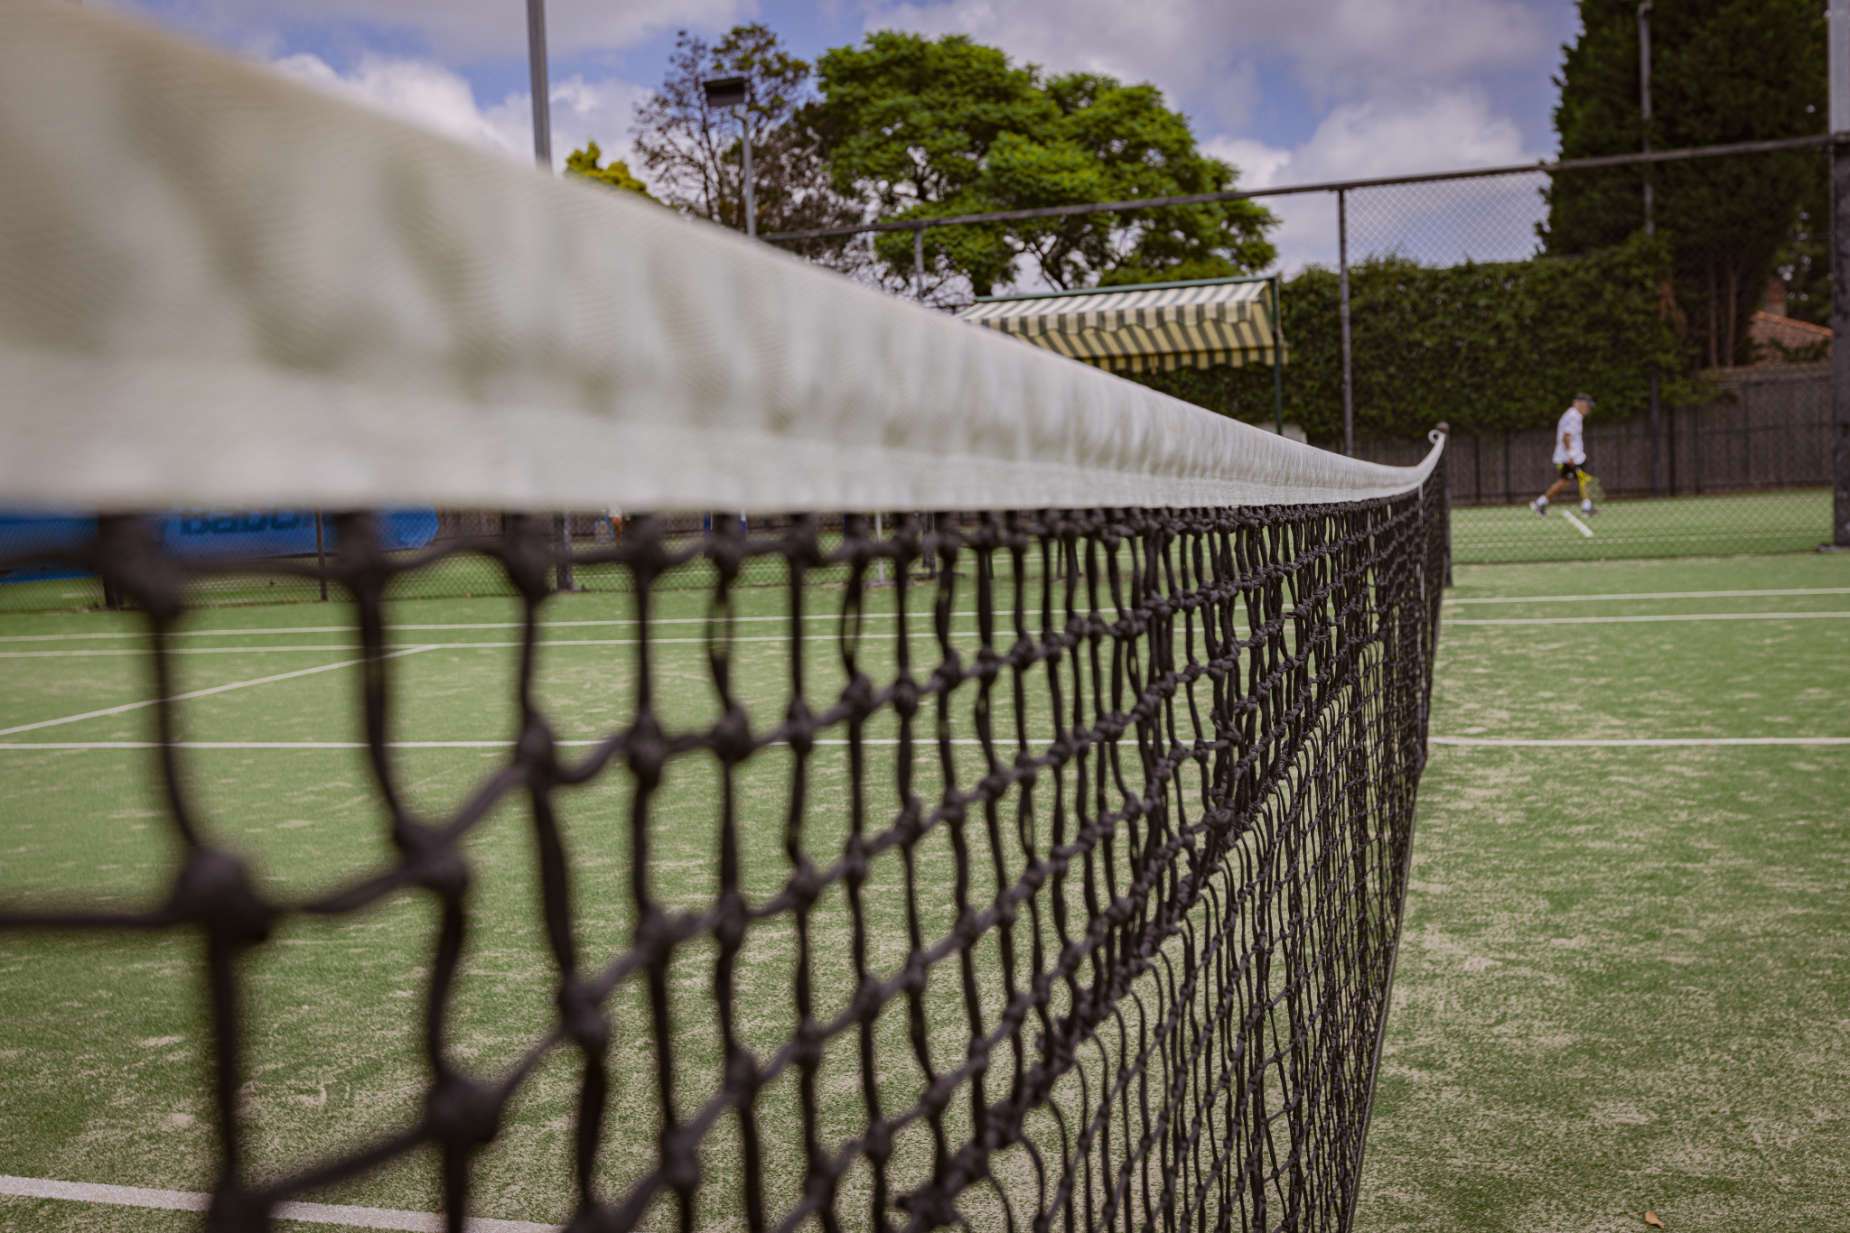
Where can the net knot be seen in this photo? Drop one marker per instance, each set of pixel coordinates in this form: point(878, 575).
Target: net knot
point(858, 697)
point(646, 749)
point(680, 1160)
point(582, 1018)
point(439, 868)
point(536, 749)
point(732, 735)
point(237, 1211)
point(800, 727)
point(462, 1112)
point(214, 889)
point(906, 697)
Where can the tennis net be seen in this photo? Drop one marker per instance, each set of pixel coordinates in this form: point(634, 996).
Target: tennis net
point(1035, 860)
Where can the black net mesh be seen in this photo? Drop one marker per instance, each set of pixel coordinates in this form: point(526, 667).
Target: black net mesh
point(1093, 926)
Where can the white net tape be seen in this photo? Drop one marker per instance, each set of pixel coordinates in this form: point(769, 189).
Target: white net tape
point(221, 287)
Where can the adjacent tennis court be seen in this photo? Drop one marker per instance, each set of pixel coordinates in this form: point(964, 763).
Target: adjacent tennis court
point(1790, 520)
point(1615, 992)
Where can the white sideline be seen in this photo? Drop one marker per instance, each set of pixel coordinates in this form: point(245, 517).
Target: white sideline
point(923, 613)
point(832, 636)
point(1579, 526)
point(240, 631)
point(1614, 597)
point(198, 693)
point(924, 742)
point(1631, 742)
point(309, 1213)
point(1651, 617)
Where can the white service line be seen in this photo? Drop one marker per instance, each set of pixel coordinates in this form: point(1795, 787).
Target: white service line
point(922, 614)
point(1618, 596)
point(309, 1213)
point(1634, 742)
point(922, 740)
point(1650, 618)
point(926, 742)
point(1579, 526)
point(199, 693)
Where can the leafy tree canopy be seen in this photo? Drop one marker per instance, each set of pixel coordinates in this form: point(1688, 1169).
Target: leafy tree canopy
point(584, 164)
point(1722, 71)
point(694, 154)
point(914, 127)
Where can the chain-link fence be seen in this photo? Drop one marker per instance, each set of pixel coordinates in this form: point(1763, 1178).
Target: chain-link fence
point(1491, 302)
point(1485, 299)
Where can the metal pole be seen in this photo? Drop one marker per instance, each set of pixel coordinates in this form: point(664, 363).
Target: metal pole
point(1650, 228)
point(918, 263)
point(1342, 274)
point(1278, 361)
point(539, 85)
point(1840, 272)
point(321, 557)
point(751, 201)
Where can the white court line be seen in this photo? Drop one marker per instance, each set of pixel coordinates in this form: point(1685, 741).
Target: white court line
point(922, 613)
point(198, 693)
point(1650, 618)
point(310, 1213)
point(1579, 526)
point(1631, 742)
point(923, 741)
point(1619, 596)
point(926, 742)
point(872, 636)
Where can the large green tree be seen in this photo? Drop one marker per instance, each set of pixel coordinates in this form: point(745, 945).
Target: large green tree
point(1722, 71)
point(694, 155)
point(924, 128)
point(584, 164)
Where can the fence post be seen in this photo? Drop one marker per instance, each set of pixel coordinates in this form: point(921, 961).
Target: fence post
point(562, 532)
point(1838, 60)
point(1342, 275)
point(918, 263)
point(1278, 357)
point(321, 557)
point(1508, 487)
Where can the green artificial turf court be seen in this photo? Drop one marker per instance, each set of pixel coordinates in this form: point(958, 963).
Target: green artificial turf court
point(1622, 985)
point(1791, 520)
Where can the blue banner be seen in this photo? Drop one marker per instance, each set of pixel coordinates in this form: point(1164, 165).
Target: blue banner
point(204, 533)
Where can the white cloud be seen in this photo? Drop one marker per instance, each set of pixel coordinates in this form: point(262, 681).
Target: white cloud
point(468, 30)
point(436, 98)
point(1485, 219)
point(1205, 53)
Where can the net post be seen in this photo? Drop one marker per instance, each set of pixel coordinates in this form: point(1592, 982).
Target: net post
point(1445, 497)
point(1342, 276)
point(918, 264)
point(321, 557)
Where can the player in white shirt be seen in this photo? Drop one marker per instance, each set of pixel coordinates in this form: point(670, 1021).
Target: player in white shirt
point(1570, 455)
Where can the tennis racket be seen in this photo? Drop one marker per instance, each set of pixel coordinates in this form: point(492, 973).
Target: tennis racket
point(1590, 487)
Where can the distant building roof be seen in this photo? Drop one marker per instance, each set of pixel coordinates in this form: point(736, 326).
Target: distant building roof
point(1775, 336)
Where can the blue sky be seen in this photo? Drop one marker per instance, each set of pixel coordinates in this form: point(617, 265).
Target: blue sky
point(1287, 90)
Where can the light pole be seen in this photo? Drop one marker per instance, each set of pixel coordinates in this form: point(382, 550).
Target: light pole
point(724, 94)
point(539, 85)
point(1650, 226)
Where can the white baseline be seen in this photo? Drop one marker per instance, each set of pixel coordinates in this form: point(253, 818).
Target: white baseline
point(310, 1213)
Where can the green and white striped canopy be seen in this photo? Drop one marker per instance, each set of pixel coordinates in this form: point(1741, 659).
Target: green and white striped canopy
point(1142, 329)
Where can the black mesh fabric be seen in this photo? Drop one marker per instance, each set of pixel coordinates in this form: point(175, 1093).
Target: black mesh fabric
point(1172, 755)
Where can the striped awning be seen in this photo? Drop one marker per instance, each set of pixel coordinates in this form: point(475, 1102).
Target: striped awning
point(1140, 329)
